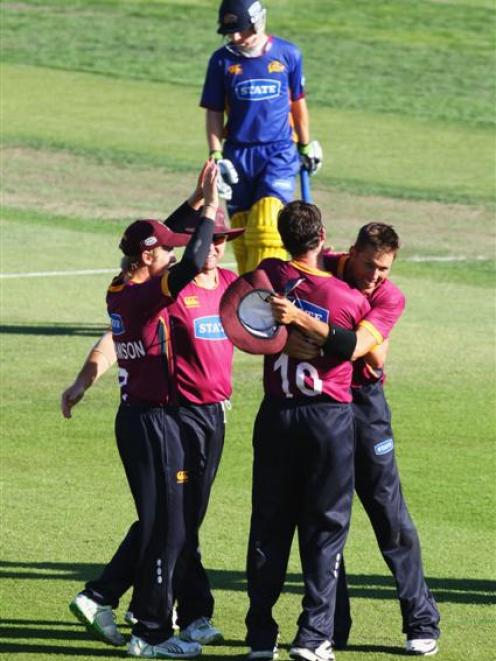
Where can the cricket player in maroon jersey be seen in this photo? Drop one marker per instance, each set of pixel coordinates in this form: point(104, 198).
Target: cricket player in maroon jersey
point(377, 481)
point(147, 426)
point(303, 451)
point(201, 350)
point(203, 365)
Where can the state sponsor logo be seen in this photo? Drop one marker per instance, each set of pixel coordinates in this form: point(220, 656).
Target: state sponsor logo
point(384, 447)
point(182, 477)
point(209, 328)
point(191, 302)
point(235, 69)
point(117, 324)
point(313, 310)
point(258, 89)
point(276, 67)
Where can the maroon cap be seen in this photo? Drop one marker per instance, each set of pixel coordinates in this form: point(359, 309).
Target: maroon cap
point(247, 315)
point(148, 234)
point(220, 227)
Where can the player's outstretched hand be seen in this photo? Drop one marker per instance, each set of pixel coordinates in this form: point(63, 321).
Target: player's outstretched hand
point(209, 189)
point(300, 346)
point(70, 397)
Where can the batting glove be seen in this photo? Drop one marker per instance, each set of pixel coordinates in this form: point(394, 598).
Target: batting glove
point(311, 156)
point(227, 175)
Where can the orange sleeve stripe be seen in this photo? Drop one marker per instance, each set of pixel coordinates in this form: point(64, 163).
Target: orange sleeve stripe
point(372, 330)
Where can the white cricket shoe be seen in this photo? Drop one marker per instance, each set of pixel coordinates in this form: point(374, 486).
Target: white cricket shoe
point(422, 646)
point(172, 648)
point(323, 652)
point(98, 620)
point(201, 631)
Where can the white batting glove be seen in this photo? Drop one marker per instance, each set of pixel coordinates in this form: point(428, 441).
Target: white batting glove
point(224, 190)
point(227, 171)
point(311, 156)
point(227, 177)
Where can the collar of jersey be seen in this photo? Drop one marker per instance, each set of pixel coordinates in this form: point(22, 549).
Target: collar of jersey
point(217, 280)
point(309, 269)
point(266, 48)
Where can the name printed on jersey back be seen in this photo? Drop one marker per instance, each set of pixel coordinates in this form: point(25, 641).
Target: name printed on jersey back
point(258, 89)
point(209, 328)
point(130, 350)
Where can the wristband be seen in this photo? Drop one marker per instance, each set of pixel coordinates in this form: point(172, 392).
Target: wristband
point(340, 343)
point(304, 149)
point(216, 154)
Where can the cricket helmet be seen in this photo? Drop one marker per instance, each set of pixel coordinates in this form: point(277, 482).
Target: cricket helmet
point(241, 15)
point(247, 316)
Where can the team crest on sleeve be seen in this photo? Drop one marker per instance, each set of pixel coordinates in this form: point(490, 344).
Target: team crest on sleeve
point(209, 328)
point(117, 324)
point(320, 313)
point(235, 69)
point(276, 67)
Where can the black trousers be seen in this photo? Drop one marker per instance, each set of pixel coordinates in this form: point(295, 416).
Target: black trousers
point(204, 428)
point(201, 442)
point(377, 483)
point(302, 480)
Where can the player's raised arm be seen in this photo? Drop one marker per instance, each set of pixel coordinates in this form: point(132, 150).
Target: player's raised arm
point(197, 249)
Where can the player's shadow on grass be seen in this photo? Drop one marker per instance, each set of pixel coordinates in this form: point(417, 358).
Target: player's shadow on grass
point(365, 586)
point(82, 330)
point(15, 632)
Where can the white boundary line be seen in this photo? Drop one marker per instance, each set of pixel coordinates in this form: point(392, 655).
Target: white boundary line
point(52, 274)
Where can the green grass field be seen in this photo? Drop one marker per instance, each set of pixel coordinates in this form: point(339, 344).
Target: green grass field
point(100, 124)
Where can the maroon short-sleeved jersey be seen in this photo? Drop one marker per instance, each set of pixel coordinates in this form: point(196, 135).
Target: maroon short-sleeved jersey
point(330, 300)
point(140, 330)
point(203, 353)
point(387, 303)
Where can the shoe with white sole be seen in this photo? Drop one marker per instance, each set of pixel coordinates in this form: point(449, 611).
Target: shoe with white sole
point(129, 618)
point(201, 631)
point(172, 648)
point(323, 652)
point(269, 655)
point(98, 620)
point(422, 647)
